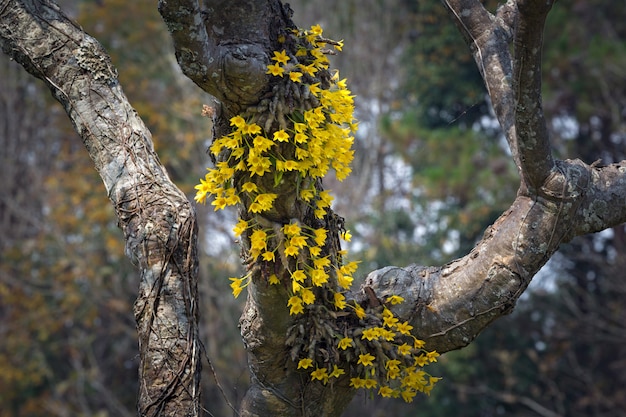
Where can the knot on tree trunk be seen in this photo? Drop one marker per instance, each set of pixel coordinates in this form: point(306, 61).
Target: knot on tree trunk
point(564, 189)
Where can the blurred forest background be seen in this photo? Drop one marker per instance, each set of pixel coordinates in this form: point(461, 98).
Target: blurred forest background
point(431, 172)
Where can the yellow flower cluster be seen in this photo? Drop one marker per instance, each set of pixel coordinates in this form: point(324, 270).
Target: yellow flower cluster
point(313, 141)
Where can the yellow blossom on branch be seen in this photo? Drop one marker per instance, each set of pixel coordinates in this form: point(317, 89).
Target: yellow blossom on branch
point(357, 382)
point(320, 374)
point(275, 70)
point(295, 76)
point(345, 343)
point(366, 359)
point(339, 300)
point(305, 363)
point(295, 303)
point(280, 57)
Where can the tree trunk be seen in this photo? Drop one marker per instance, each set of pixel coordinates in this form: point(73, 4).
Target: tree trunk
point(157, 219)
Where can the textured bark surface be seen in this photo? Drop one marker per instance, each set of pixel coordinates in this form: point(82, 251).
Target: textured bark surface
point(224, 47)
point(157, 219)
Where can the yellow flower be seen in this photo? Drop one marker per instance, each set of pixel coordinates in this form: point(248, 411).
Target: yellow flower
point(268, 256)
point(319, 213)
point(421, 361)
point(240, 227)
point(357, 382)
point(347, 236)
point(319, 277)
point(389, 319)
point(360, 312)
point(404, 349)
point(297, 241)
point(370, 383)
point(291, 250)
point(274, 279)
point(344, 281)
point(249, 187)
point(305, 363)
point(404, 328)
point(307, 195)
point(307, 296)
point(325, 199)
point(340, 301)
point(392, 364)
point(295, 76)
point(258, 240)
point(315, 89)
point(259, 165)
point(432, 356)
point(290, 165)
point(345, 343)
point(395, 299)
point(300, 138)
point(339, 45)
point(236, 285)
point(320, 374)
point(280, 57)
point(387, 334)
point(291, 229)
point(337, 372)
point(261, 144)
point(350, 267)
point(371, 333)
point(366, 359)
point(385, 392)
point(308, 69)
point(393, 373)
point(295, 303)
point(275, 70)
point(408, 394)
point(298, 275)
point(315, 250)
point(265, 200)
point(316, 30)
point(251, 129)
point(321, 262)
point(238, 122)
point(418, 344)
point(320, 236)
point(281, 136)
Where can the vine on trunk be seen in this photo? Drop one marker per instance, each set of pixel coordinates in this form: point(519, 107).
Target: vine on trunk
point(300, 130)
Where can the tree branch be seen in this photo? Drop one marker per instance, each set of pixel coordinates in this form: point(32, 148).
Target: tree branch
point(224, 47)
point(488, 38)
point(533, 139)
point(157, 219)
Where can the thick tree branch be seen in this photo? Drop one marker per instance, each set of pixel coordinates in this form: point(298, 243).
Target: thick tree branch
point(196, 52)
point(532, 132)
point(602, 206)
point(224, 47)
point(157, 219)
point(488, 38)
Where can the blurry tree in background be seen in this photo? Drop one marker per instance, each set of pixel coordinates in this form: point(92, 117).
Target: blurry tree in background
point(69, 344)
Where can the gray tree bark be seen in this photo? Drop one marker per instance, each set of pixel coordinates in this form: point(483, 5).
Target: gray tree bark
point(224, 47)
point(157, 219)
